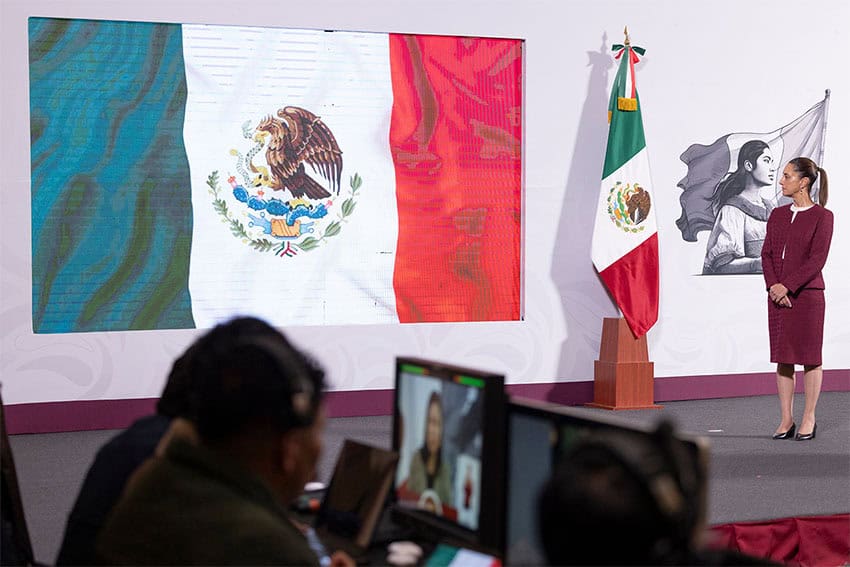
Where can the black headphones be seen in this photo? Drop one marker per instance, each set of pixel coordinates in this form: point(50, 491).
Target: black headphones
point(301, 398)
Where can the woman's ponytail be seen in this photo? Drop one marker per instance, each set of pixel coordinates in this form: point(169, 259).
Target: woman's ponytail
point(823, 192)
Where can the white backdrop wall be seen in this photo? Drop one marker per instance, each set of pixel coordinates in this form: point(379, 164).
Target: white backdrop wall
point(711, 68)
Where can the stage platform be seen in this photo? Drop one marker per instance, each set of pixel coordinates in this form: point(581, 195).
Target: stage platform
point(752, 477)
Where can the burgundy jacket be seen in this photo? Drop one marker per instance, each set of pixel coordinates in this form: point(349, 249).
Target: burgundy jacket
point(806, 242)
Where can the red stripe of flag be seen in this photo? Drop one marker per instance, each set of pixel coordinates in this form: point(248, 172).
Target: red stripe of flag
point(455, 137)
point(633, 281)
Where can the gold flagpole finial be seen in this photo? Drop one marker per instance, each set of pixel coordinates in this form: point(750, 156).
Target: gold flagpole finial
point(626, 33)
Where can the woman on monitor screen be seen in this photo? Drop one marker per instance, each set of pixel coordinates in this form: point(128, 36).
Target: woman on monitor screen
point(429, 474)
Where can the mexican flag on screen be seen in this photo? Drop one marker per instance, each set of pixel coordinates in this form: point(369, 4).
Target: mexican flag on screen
point(625, 233)
point(185, 174)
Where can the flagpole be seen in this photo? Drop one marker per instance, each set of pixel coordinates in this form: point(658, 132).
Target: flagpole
point(823, 132)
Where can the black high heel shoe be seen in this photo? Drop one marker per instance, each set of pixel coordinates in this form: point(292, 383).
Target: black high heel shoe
point(788, 434)
point(807, 436)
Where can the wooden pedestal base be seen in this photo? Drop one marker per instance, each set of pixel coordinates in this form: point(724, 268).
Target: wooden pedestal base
point(623, 377)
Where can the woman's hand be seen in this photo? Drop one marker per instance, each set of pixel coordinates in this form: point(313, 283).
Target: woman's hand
point(777, 293)
point(784, 302)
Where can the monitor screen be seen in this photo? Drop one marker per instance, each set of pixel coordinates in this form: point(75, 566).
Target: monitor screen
point(538, 435)
point(448, 427)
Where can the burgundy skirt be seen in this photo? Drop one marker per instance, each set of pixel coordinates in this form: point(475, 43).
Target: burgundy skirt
point(796, 334)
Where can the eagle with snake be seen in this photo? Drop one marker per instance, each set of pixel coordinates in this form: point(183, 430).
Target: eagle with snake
point(295, 137)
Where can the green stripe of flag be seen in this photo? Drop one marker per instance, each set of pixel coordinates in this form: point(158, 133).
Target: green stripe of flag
point(111, 199)
point(625, 135)
point(618, 89)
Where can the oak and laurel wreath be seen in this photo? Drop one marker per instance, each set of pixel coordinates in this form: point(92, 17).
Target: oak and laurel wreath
point(621, 206)
point(237, 227)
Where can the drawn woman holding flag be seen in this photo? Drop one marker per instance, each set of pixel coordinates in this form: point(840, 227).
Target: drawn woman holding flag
point(734, 245)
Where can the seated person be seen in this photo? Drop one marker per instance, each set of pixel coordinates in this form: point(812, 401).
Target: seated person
point(429, 473)
point(257, 406)
point(617, 500)
point(113, 465)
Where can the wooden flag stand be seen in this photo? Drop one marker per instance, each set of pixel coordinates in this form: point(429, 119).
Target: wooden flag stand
point(623, 377)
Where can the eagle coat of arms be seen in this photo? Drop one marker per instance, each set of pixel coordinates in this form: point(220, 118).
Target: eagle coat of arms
point(628, 206)
point(285, 209)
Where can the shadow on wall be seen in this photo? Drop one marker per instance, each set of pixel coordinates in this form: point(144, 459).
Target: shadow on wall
point(584, 298)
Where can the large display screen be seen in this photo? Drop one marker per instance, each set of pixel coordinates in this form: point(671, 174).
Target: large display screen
point(182, 174)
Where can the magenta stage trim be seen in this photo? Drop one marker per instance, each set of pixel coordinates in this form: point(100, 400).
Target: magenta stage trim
point(52, 417)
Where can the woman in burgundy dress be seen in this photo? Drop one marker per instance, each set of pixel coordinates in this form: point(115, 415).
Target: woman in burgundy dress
point(793, 255)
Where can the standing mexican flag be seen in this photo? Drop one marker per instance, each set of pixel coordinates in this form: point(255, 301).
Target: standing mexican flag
point(625, 234)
